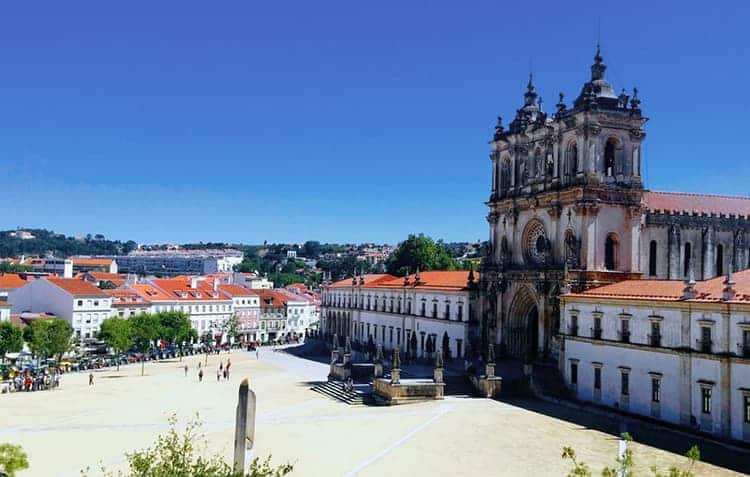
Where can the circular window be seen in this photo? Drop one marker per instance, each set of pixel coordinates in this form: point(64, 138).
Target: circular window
point(535, 243)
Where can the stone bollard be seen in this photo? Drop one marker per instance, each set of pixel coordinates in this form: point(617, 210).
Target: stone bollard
point(437, 375)
point(490, 370)
point(395, 376)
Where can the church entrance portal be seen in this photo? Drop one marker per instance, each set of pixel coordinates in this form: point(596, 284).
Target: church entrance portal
point(521, 334)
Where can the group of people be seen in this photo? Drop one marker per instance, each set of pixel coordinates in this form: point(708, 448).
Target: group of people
point(221, 371)
point(40, 381)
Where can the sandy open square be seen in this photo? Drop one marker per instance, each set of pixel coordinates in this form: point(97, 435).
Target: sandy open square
point(66, 430)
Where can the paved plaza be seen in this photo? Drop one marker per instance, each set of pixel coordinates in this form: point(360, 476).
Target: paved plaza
point(66, 430)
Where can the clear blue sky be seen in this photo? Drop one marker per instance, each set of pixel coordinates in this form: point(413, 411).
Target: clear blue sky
point(334, 120)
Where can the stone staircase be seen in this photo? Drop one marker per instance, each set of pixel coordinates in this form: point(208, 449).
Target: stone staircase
point(333, 390)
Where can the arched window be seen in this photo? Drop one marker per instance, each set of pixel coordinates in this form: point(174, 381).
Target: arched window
point(572, 160)
point(652, 258)
point(505, 174)
point(610, 252)
point(686, 261)
point(538, 163)
point(609, 157)
point(719, 260)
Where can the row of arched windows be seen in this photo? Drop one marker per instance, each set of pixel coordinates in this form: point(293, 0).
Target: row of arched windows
point(687, 259)
point(539, 164)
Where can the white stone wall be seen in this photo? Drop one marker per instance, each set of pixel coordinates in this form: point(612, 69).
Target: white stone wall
point(682, 374)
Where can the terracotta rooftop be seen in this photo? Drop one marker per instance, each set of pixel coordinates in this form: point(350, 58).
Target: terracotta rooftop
point(370, 279)
point(677, 202)
point(76, 287)
point(272, 299)
point(10, 281)
point(453, 280)
point(150, 292)
point(179, 289)
point(236, 290)
point(126, 297)
point(672, 290)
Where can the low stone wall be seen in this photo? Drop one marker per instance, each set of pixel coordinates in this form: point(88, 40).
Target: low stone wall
point(407, 390)
point(489, 387)
point(339, 372)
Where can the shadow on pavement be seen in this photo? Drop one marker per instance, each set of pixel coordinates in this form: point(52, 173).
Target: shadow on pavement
point(712, 452)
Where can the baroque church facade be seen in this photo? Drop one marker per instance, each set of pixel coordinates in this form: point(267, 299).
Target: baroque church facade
point(568, 211)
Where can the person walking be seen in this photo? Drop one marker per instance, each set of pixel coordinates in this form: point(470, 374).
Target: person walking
point(91, 379)
point(186, 370)
point(200, 374)
point(218, 375)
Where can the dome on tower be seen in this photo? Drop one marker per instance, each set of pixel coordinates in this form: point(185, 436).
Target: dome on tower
point(597, 91)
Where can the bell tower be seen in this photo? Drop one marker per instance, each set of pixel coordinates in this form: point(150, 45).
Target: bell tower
point(565, 202)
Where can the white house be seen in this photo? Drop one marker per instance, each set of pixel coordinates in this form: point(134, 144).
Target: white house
point(246, 306)
point(78, 302)
point(207, 308)
point(300, 312)
point(679, 352)
point(403, 312)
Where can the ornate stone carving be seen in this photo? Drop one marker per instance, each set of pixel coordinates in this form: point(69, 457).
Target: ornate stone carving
point(637, 134)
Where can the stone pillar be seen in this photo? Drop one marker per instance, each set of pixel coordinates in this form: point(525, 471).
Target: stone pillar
point(673, 245)
point(396, 368)
point(378, 362)
point(685, 383)
point(634, 216)
point(709, 246)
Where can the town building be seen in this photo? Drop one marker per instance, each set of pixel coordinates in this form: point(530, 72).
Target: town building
point(300, 313)
point(246, 307)
point(273, 322)
point(403, 312)
point(207, 308)
point(127, 303)
point(674, 351)
point(9, 282)
point(567, 192)
point(62, 267)
point(103, 278)
point(78, 302)
point(5, 309)
point(167, 263)
point(93, 264)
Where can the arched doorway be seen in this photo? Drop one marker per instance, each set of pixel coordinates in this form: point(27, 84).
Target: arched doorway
point(521, 333)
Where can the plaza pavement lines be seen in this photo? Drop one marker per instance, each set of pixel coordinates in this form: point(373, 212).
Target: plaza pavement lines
point(442, 410)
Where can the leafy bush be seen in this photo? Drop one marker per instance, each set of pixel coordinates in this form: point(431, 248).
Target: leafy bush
point(12, 459)
point(176, 454)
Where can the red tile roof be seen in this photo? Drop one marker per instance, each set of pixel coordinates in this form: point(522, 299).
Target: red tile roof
point(671, 290)
point(236, 290)
point(370, 279)
point(76, 287)
point(442, 280)
point(116, 278)
point(272, 298)
point(150, 292)
point(10, 281)
point(126, 297)
point(677, 202)
point(179, 289)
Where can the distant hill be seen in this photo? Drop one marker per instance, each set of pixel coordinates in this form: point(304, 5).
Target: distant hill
point(14, 243)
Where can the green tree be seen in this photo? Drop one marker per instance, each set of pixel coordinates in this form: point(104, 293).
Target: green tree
point(311, 249)
point(183, 455)
point(146, 329)
point(12, 459)
point(11, 339)
point(106, 285)
point(231, 328)
point(418, 251)
point(118, 334)
point(8, 267)
point(625, 464)
point(50, 338)
point(175, 328)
